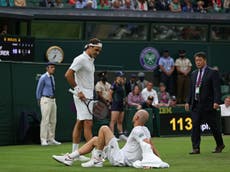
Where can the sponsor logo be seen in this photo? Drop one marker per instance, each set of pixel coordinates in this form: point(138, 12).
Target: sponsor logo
point(149, 58)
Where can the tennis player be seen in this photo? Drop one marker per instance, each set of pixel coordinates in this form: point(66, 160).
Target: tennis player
point(80, 76)
point(139, 151)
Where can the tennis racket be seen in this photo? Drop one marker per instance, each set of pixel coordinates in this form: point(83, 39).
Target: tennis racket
point(97, 108)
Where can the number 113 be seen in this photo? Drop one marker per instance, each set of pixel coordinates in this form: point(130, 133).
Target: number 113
point(182, 124)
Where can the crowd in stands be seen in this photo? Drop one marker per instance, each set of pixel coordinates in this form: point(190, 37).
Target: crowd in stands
point(133, 94)
point(202, 6)
point(171, 89)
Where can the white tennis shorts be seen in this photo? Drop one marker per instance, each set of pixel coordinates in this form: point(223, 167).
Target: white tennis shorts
point(114, 153)
point(82, 111)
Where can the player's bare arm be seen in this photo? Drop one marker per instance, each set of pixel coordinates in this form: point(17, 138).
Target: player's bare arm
point(155, 151)
point(70, 78)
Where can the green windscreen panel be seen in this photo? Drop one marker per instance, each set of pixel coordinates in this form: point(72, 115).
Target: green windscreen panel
point(25, 77)
point(6, 111)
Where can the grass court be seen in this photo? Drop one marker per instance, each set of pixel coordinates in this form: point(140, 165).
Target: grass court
point(174, 150)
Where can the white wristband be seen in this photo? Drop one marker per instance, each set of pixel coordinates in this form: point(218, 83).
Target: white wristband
point(77, 89)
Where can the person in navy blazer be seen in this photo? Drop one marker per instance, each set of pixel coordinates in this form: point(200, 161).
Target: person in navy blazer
point(203, 101)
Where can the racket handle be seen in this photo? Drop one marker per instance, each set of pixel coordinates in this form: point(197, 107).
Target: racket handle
point(72, 91)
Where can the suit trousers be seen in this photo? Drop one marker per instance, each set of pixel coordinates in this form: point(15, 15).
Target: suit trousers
point(182, 87)
point(200, 116)
point(49, 118)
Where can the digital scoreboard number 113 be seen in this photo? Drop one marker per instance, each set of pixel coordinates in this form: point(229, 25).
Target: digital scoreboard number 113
point(174, 122)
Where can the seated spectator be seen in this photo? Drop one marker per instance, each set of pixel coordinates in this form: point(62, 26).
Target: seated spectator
point(58, 4)
point(215, 6)
point(103, 4)
point(128, 5)
point(147, 103)
point(135, 98)
point(80, 4)
point(149, 91)
point(142, 5)
point(116, 4)
point(173, 101)
point(20, 3)
point(91, 4)
point(152, 5)
point(163, 96)
point(162, 5)
point(200, 7)
point(187, 6)
point(225, 108)
point(175, 6)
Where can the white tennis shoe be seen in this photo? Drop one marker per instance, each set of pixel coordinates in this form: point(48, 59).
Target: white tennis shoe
point(82, 158)
point(93, 163)
point(53, 142)
point(64, 159)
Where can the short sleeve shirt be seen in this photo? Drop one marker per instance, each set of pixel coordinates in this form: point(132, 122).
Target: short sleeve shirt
point(167, 63)
point(84, 68)
point(132, 149)
point(183, 63)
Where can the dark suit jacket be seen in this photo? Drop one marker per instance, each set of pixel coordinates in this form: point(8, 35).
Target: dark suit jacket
point(209, 89)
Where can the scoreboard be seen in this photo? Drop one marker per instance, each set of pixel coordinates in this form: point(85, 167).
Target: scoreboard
point(16, 48)
point(176, 121)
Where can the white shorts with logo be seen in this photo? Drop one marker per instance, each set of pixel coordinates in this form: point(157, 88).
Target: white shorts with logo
point(82, 110)
point(114, 153)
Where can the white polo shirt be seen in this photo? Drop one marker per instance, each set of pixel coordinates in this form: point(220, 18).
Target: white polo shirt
point(84, 68)
point(225, 111)
point(145, 93)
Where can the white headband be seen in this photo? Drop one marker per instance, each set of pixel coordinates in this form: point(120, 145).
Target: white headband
point(93, 45)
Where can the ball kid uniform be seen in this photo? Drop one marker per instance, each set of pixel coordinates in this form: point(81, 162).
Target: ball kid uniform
point(118, 97)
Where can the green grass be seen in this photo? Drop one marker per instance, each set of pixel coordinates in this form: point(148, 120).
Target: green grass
point(174, 150)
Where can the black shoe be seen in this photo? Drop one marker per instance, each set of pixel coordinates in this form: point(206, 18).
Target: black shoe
point(218, 149)
point(195, 151)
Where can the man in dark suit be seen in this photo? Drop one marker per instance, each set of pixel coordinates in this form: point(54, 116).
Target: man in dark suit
point(203, 101)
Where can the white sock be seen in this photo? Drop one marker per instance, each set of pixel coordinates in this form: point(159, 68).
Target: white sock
point(75, 147)
point(74, 154)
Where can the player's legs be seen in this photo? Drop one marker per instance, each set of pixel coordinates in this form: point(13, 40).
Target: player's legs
point(76, 135)
point(99, 142)
point(88, 146)
point(113, 120)
point(104, 136)
point(120, 122)
point(88, 124)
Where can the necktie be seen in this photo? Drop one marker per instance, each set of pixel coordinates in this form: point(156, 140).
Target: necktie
point(198, 82)
point(52, 84)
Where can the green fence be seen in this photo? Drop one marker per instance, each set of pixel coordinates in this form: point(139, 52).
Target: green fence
point(17, 98)
point(18, 105)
